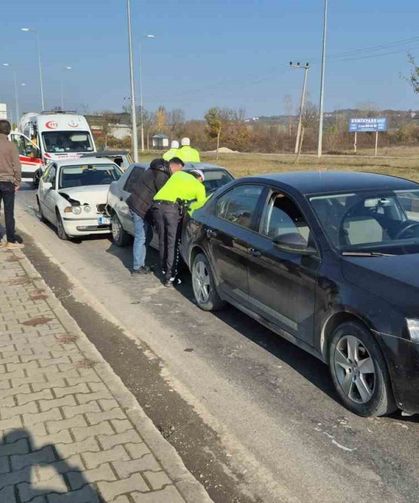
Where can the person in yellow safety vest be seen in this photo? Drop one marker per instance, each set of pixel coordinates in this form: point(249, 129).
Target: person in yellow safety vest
point(173, 152)
point(188, 153)
point(168, 212)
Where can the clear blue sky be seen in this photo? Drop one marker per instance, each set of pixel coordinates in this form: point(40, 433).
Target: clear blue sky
point(232, 53)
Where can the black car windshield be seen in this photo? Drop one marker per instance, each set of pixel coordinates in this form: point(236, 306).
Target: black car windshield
point(61, 142)
point(88, 174)
point(367, 222)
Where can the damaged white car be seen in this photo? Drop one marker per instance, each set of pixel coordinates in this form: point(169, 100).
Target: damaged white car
point(72, 195)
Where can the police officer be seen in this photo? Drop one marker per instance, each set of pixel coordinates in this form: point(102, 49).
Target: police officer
point(188, 153)
point(168, 211)
point(173, 152)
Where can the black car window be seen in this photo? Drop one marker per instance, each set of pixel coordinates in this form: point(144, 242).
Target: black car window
point(133, 178)
point(239, 204)
point(283, 217)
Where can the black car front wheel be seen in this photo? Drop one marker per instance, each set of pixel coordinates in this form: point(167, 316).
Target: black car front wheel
point(60, 228)
point(119, 236)
point(203, 284)
point(359, 371)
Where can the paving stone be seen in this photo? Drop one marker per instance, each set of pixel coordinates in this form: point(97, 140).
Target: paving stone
point(71, 464)
point(99, 429)
point(137, 451)
point(101, 473)
point(31, 397)
point(157, 480)
point(42, 417)
point(81, 409)
point(28, 408)
point(98, 417)
point(130, 436)
point(72, 390)
point(4, 464)
point(167, 495)
point(87, 445)
point(88, 397)
point(93, 459)
point(56, 439)
point(8, 424)
point(56, 483)
point(110, 490)
point(7, 495)
point(54, 382)
point(43, 455)
point(126, 468)
point(19, 447)
point(65, 424)
point(68, 401)
point(121, 425)
point(85, 495)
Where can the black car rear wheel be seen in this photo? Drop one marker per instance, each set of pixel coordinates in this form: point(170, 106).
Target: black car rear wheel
point(119, 236)
point(359, 371)
point(203, 284)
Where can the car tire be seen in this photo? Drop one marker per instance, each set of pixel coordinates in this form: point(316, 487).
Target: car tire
point(61, 233)
point(40, 212)
point(203, 285)
point(36, 178)
point(359, 371)
point(119, 236)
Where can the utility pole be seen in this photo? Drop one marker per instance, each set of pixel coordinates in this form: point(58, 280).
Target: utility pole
point(141, 92)
point(323, 72)
point(306, 68)
point(17, 112)
point(132, 86)
point(41, 78)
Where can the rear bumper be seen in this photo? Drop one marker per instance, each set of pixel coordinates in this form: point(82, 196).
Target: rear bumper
point(403, 363)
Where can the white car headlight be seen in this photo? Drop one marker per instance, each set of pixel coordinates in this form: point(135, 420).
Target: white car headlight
point(413, 326)
point(76, 210)
point(87, 208)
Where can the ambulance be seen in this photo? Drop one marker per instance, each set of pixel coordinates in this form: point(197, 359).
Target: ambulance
point(48, 136)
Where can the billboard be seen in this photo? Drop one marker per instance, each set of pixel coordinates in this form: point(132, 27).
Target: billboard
point(368, 125)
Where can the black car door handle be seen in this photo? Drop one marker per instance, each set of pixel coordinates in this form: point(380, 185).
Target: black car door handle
point(211, 233)
point(254, 252)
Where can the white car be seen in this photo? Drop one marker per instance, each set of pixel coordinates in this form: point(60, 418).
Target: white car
point(72, 195)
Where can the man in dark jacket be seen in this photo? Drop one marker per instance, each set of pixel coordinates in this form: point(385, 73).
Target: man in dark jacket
point(139, 202)
point(10, 177)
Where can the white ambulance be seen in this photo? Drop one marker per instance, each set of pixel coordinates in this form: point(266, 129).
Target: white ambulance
point(47, 136)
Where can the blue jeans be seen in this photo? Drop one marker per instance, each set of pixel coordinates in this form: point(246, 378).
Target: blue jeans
point(141, 234)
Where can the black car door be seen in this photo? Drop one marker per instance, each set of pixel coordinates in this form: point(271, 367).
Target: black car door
point(282, 283)
point(230, 231)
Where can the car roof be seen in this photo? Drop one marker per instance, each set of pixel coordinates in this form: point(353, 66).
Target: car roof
point(188, 166)
point(322, 182)
point(82, 160)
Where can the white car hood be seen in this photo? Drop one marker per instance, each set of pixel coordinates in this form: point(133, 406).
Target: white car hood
point(90, 194)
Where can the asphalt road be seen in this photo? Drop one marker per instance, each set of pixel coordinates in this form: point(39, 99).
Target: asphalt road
point(279, 432)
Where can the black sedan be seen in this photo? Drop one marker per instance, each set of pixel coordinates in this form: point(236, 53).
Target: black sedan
point(330, 261)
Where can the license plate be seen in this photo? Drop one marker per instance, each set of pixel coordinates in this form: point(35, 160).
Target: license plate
point(102, 220)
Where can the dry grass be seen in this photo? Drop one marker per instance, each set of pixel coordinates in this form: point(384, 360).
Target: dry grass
point(398, 161)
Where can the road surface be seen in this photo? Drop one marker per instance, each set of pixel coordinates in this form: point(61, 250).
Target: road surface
point(253, 417)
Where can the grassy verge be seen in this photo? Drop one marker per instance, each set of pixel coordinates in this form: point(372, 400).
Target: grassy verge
point(402, 162)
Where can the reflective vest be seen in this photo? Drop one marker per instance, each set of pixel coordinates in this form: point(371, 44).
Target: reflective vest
point(184, 186)
point(173, 152)
point(189, 154)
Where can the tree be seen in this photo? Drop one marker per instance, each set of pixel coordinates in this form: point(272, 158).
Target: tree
point(160, 120)
point(107, 120)
point(413, 78)
point(176, 122)
point(214, 124)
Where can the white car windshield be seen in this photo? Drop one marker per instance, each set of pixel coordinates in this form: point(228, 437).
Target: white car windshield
point(379, 221)
point(60, 142)
point(88, 174)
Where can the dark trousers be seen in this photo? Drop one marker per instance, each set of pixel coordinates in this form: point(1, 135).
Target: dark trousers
point(167, 219)
point(7, 194)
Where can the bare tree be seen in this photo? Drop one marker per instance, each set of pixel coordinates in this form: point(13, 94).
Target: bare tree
point(413, 78)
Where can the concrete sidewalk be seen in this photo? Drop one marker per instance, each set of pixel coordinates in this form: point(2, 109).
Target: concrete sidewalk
point(70, 431)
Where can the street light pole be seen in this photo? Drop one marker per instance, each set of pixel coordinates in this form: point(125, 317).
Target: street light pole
point(141, 93)
point(41, 79)
point(322, 79)
point(306, 68)
point(17, 112)
point(132, 86)
point(62, 85)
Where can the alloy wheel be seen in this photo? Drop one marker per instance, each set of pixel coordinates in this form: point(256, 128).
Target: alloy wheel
point(355, 370)
point(116, 229)
point(201, 282)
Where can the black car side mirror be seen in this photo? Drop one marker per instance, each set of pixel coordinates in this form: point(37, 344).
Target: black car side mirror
point(293, 242)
